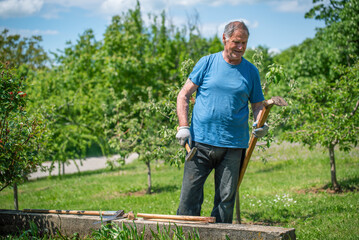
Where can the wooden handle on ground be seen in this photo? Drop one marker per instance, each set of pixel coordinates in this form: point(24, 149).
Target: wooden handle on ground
point(75, 212)
point(177, 217)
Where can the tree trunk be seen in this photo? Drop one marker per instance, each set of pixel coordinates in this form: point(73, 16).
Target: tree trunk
point(59, 170)
point(148, 163)
point(16, 199)
point(333, 170)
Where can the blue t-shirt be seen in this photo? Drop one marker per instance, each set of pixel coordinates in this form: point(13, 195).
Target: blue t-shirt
point(220, 114)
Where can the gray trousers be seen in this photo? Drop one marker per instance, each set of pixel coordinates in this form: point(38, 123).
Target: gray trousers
point(226, 163)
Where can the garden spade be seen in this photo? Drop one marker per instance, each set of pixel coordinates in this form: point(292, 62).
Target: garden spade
point(119, 214)
point(268, 104)
point(73, 212)
point(105, 215)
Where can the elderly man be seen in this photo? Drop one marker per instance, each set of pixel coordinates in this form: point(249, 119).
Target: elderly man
point(225, 82)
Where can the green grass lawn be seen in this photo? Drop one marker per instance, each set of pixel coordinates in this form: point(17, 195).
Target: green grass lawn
point(286, 190)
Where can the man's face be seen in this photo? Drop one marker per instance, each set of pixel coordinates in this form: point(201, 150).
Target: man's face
point(235, 46)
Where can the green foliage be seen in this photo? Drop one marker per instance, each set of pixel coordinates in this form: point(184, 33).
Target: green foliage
point(261, 58)
point(326, 114)
point(323, 101)
point(75, 96)
point(327, 12)
point(36, 233)
point(130, 231)
point(113, 231)
point(21, 51)
point(21, 134)
point(167, 233)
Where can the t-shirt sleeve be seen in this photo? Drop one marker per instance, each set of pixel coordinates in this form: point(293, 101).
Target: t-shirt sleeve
point(256, 93)
point(199, 71)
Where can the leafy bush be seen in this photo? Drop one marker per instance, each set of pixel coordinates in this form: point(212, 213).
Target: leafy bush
point(20, 133)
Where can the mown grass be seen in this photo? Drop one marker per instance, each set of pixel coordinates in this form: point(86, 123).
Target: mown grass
point(287, 190)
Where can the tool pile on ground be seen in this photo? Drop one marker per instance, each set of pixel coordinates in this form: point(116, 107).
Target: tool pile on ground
point(120, 214)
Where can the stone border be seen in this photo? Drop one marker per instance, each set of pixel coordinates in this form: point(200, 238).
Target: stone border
point(15, 221)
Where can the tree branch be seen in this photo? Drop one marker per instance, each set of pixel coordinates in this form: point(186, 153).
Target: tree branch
point(6, 185)
point(355, 109)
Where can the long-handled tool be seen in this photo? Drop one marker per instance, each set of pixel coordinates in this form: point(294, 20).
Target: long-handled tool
point(113, 215)
point(161, 217)
point(74, 212)
point(268, 104)
point(156, 217)
point(105, 215)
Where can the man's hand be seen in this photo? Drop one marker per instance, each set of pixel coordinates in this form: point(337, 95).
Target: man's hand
point(183, 135)
point(260, 132)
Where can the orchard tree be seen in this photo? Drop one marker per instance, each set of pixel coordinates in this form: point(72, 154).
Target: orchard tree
point(74, 95)
point(141, 63)
point(21, 134)
point(323, 108)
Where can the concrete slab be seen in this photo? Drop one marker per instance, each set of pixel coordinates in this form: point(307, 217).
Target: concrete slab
point(14, 221)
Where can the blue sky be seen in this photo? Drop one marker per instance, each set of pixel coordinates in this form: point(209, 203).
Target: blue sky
point(277, 24)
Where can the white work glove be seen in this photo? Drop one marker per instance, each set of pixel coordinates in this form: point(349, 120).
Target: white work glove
point(260, 132)
point(183, 135)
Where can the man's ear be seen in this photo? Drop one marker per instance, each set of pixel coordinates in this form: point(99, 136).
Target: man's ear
point(224, 39)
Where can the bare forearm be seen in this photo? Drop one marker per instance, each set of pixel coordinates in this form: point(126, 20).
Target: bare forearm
point(183, 102)
point(182, 109)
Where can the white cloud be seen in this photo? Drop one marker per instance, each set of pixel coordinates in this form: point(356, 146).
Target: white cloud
point(117, 6)
point(85, 4)
point(274, 51)
point(279, 5)
point(29, 32)
point(214, 2)
point(293, 5)
point(112, 7)
point(19, 8)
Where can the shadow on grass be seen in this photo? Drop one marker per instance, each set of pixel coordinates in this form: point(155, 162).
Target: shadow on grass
point(281, 217)
point(165, 188)
point(257, 218)
point(346, 185)
point(350, 184)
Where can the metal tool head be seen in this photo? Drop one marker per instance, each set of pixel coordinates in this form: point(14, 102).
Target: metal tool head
point(190, 154)
point(116, 215)
point(279, 101)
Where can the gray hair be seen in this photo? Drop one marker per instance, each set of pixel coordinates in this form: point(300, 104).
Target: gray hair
point(233, 26)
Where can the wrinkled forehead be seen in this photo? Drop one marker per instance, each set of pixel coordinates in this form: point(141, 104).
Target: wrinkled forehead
point(239, 34)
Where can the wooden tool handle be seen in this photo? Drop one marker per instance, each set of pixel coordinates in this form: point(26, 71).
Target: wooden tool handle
point(75, 212)
point(188, 148)
point(177, 217)
point(253, 141)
